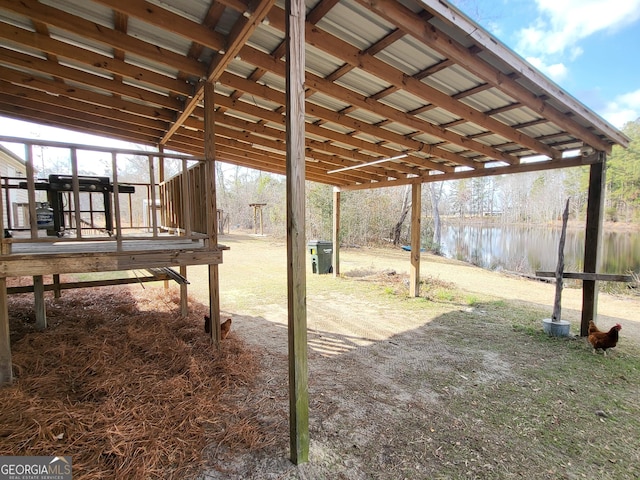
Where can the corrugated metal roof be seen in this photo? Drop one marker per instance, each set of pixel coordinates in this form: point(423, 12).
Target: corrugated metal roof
point(384, 77)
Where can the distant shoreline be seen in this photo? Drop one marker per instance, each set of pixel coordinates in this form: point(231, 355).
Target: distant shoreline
point(573, 224)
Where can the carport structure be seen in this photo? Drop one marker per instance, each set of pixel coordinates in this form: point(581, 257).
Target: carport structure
point(352, 93)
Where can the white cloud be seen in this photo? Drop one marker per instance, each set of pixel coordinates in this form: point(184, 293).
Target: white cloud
point(555, 71)
point(625, 108)
point(563, 23)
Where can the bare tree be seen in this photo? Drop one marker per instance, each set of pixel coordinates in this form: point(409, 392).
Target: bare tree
point(435, 189)
point(404, 211)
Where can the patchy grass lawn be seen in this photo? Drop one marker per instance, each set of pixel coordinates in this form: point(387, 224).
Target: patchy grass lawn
point(480, 392)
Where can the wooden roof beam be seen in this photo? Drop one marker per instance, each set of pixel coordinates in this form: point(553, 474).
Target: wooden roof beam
point(236, 39)
point(28, 62)
point(414, 25)
point(320, 10)
point(247, 135)
point(152, 129)
point(312, 129)
point(114, 66)
point(393, 76)
point(486, 172)
point(355, 99)
point(33, 98)
point(101, 34)
point(52, 118)
point(328, 161)
point(167, 20)
point(315, 110)
point(350, 54)
point(13, 81)
point(334, 156)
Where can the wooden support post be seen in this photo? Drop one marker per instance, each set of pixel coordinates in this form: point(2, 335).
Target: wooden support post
point(186, 195)
point(152, 201)
point(416, 212)
point(257, 217)
point(211, 210)
point(335, 260)
point(116, 200)
point(57, 291)
point(5, 247)
point(296, 249)
point(38, 295)
point(75, 182)
point(593, 237)
point(6, 371)
point(184, 302)
point(33, 217)
point(152, 192)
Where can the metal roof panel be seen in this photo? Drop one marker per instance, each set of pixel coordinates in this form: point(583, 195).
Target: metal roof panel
point(362, 82)
point(403, 101)
point(366, 116)
point(194, 10)
point(409, 56)
point(86, 9)
point(156, 36)
point(327, 102)
point(354, 24)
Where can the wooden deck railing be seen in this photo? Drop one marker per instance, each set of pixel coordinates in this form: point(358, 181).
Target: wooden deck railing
point(182, 201)
point(96, 196)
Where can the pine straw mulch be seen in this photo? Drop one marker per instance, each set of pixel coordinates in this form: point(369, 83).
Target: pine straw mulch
point(125, 386)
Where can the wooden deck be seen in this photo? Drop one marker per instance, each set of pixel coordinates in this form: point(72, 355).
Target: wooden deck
point(99, 255)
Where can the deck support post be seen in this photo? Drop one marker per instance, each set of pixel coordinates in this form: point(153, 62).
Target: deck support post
point(296, 249)
point(57, 292)
point(593, 240)
point(335, 259)
point(416, 212)
point(40, 309)
point(212, 210)
point(6, 371)
point(184, 303)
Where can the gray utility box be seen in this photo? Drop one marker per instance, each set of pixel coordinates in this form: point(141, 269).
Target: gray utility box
point(321, 256)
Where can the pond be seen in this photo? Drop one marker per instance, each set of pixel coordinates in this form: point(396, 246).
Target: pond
point(526, 249)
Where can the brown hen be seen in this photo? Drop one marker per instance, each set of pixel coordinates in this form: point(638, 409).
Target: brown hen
point(603, 340)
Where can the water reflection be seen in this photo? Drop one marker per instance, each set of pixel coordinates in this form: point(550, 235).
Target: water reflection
point(527, 249)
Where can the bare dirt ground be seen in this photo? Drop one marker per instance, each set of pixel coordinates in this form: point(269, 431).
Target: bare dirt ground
point(393, 381)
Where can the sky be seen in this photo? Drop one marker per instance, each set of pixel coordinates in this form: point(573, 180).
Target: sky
point(588, 47)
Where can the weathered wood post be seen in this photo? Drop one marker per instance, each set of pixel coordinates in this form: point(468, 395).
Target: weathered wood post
point(557, 302)
point(6, 369)
point(335, 258)
point(416, 211)
point(296, 249)
point(38, 301)
point(593, 235)
point(211, 209)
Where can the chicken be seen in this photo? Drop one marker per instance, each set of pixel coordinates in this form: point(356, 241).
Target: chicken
point(603, 340)
point(225, 327)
